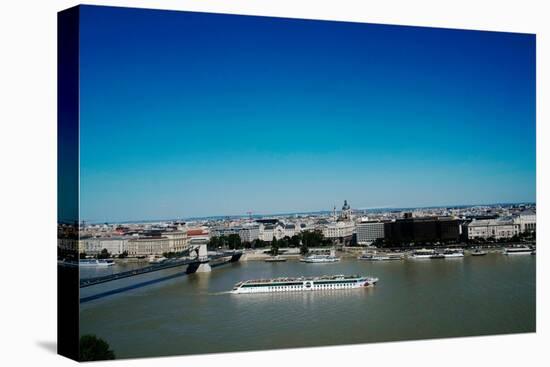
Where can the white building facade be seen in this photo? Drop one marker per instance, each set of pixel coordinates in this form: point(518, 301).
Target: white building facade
point(145, 246)
point(492, 228)
point(249, 233)
point(368, 232)
point(338, 230)
point(527, 222)
point(114, 245)
point(268, 231)
point(177, 240)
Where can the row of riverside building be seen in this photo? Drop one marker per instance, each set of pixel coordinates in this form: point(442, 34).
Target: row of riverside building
point(155, 241)
point(341, 229)
point(145, 244)
point(435, 229)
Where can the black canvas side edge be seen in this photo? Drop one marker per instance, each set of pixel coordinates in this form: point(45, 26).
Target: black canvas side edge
point(68, 182)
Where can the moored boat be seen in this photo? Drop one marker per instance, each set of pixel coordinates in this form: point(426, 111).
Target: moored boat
point(380, 257)
point(316, 259)
point(478, 252)
point(96, 262)
point(321, 258)
point(452, 253)
point(521, 250)
point(423, 254)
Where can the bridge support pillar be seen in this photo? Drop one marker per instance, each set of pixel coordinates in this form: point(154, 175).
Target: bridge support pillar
point(203, 256)
point(204, 268)
point(202, 251)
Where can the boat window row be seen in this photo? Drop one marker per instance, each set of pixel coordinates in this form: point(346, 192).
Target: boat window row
point(271, 285)
point(300, 286)
point(337, 282)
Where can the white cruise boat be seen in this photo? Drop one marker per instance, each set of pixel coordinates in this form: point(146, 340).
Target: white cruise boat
point(96, 262)
point(304, 284)
point(523, 250)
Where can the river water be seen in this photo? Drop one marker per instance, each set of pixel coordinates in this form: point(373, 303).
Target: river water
point(414, 299)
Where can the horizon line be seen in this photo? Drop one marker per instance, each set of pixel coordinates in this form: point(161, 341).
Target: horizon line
point(192, 218)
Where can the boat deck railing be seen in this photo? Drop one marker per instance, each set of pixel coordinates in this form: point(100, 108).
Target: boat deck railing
point(294, 279)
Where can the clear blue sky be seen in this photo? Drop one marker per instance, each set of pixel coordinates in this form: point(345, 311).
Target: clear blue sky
point(189, 114)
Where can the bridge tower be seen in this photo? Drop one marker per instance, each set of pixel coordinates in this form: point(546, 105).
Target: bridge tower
point(202, 253)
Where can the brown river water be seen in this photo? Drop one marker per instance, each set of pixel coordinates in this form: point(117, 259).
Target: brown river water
point(414, 299)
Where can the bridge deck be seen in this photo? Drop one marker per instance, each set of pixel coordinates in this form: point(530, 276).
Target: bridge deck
point(148, 269)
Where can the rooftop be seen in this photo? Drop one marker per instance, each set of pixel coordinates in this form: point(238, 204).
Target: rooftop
point(196, 232)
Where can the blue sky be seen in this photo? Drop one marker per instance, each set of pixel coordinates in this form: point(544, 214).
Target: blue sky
point(190, 114)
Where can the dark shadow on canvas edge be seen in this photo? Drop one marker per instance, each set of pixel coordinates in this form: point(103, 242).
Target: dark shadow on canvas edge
point(48, 345)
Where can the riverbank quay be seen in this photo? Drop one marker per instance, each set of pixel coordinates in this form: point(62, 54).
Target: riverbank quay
point(354, 251)
point(465, 246)
point(293, 253)
point(290, 253)
point(263, 254)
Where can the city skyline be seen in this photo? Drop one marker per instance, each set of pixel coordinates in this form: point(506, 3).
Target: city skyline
point(183, 120)
point(257, 215)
